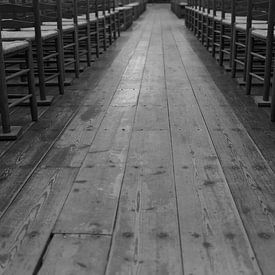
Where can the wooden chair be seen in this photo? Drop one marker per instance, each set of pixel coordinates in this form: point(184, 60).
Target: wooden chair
point(261, 49)
point(199, 19)
point(216, 26)
point(14, 53)
point(75, 17)
point(105, 10)
point(87, 11)
point(47, 45)
point(209, 17)
point(116, 19)
point(240, 38)
point(52, 13)
point(95, 13)
point(126, 16)
point(204, 21)
point(272, 116)
point(188, 14)
point(191, 11)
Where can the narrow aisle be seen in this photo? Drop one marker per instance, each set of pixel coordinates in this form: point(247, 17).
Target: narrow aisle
point(164, 179)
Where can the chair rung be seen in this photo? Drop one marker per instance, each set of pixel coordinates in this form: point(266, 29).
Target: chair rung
point(258, 55)
point(257, 76)
point(22, 72)
point(18, 101)
point(50, 56)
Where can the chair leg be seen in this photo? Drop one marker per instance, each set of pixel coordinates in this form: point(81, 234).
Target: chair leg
point(60, 65)
point(41, 71)
point(268, 67)
point(234, 54)
point(31, 84)
point(88, 48)
point(76, 53)
point(4, 107)
point(221, 53)
point(104, 35)
point(273, 100)
point(249, 64)
point(118, 24)
point(97, 39)
point(214, 39)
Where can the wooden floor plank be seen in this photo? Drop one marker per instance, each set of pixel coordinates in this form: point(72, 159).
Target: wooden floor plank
point(99, 180)
point(146, 237)
point(76, 254)
point(27, 226)
point(154, 174)
point(250, 179)
point(204, 199)
point(34, 243)
point(28, 151)
point(97, 185)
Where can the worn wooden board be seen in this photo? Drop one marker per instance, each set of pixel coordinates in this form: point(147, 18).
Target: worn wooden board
point(27, 152)
point(76, 254)
point(249, 177)
point(74, 143)
point(213, 238)
point(98, 183)
point(146, 237)
point(26, 226)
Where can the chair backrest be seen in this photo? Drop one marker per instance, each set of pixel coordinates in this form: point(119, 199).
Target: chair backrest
point(226, 7)
point(113, 5)
point(217, 6)
point(83, 8)
point(239, 8)
point(271, 17)
point(17, 15)
point(93, 7)
point(258, 9)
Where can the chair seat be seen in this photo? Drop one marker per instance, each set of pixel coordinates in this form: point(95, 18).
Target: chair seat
point(261, 33)
point(238, 19)
point(68, 22)
point(52, 27)
point(124, 8)
point(134, 4)
point(26, 35)
point(210, 13)
point(14, 46)
point(255, 25)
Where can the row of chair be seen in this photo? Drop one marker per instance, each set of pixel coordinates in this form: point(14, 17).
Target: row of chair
point(42, 41)
point(240, 35)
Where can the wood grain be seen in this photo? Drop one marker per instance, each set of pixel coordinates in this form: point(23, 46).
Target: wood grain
point(76, 254)
point(26, 227)
point(249, 177)
point(213, 238)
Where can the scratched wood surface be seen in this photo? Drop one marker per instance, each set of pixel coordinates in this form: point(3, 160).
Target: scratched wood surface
point(153, 173)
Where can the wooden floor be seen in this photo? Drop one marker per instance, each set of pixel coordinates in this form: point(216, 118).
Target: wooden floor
point(150, 166)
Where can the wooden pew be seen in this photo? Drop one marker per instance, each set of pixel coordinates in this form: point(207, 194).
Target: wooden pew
point(261, 50)
point(47, 45)
point(12, 52)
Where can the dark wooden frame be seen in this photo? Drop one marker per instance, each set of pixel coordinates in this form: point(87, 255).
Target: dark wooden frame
point(9, 132)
